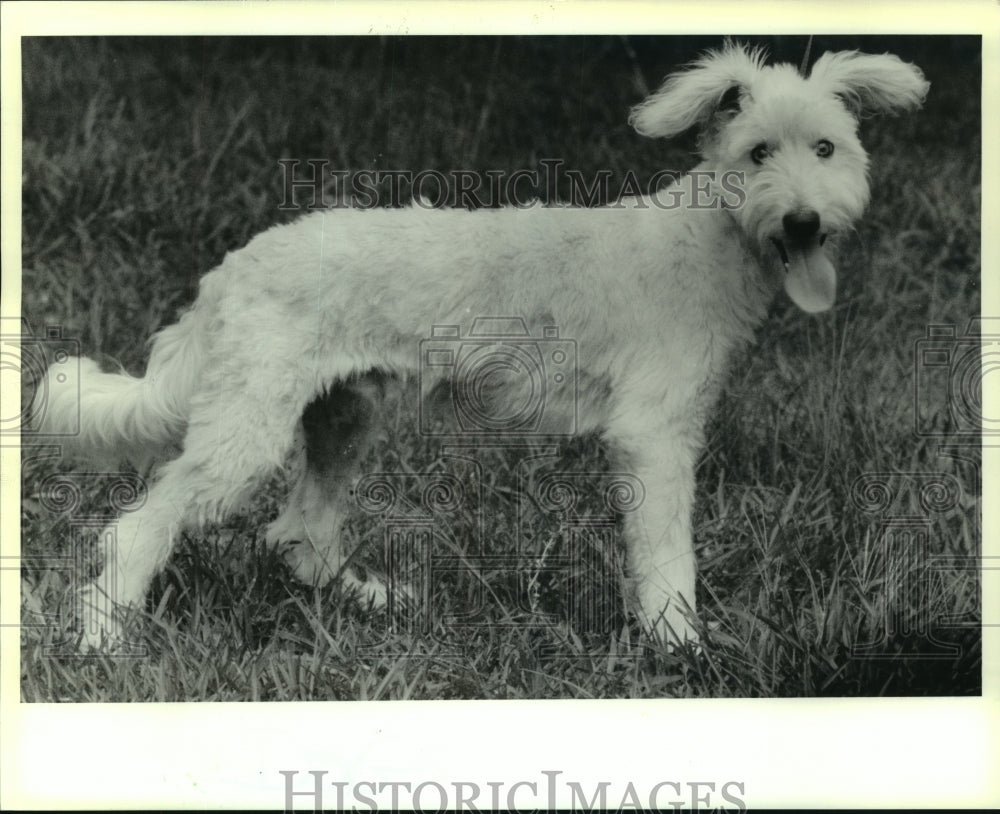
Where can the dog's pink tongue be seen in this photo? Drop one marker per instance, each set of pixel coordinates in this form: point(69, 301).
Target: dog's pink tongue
point(811, 280)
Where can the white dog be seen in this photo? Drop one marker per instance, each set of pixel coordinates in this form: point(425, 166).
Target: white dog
point(657, 297)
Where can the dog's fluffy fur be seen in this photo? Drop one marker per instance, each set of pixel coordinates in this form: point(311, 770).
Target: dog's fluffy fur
point(656, 299)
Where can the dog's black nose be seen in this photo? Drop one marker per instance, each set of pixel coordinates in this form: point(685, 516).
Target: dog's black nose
point(801, 224)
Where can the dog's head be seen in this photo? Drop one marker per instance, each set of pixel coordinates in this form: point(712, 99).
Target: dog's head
point(794, 139)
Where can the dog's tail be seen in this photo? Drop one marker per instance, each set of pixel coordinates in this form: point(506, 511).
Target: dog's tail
point(115, 416)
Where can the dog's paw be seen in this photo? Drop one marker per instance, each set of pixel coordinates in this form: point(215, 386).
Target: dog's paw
point(678, 633)
point(310, 565)
point(371, 591)
point(315, 566)
point(99, 622)
point(666, 615)
point(673, 628)
point(285, 530)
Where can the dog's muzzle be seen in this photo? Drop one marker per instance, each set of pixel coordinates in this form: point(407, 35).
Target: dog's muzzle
point(810, 278)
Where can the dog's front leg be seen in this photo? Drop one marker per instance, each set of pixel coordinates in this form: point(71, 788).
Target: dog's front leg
point(661, 560)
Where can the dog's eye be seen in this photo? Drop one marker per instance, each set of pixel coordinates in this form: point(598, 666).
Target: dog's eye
point(759, 153)
point(824, 148)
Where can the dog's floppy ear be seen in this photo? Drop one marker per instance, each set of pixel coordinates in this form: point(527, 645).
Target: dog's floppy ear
point(871, 83)
point(693, 96)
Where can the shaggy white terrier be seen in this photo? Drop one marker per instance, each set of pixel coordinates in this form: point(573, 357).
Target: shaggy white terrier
point(657, 298)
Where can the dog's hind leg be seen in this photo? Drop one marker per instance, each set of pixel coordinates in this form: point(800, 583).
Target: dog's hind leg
point(337, 435)
point(238, 433)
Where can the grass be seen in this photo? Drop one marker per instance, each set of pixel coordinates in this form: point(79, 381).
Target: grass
point(145, 161)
